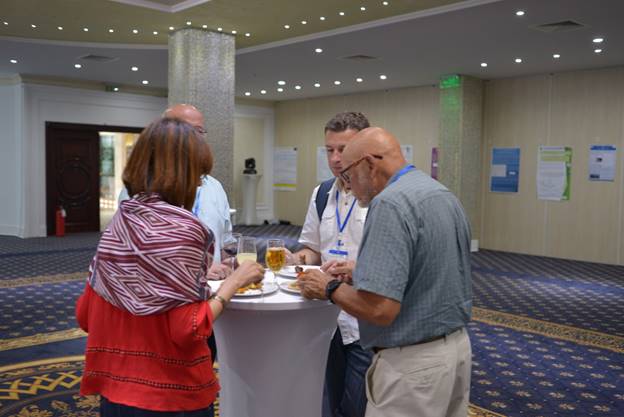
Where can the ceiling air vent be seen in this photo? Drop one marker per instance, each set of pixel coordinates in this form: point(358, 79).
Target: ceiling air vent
point(98, 58)
point(563, 26)
point(360, 58)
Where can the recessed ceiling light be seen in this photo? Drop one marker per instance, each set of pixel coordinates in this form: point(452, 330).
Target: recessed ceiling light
point(135, 31)
point(33, 26)
point(597, 51)
point(520, 13)
point(317, 85)
point(155, 32)
point(359, 80)
point(556, 56)
point(234, 32)
point(247, 93)
point(518, 60)
point(383, 77)
point(320, 18)
point(5, 23)
point(145, 82)
point(171, 28)
point(262, 91)
point(363, 8)
point(189, 23)
point(286, 26)
point(13, 61)
point(598, 40)
point(134, 68)
point(280, 89)
point(304, 22)
point(318, 50)
point(85, 29)
point(297, 87)
point(281, 82)
point(484, 64)
point(341, 13)
point(247, 34)
point(385, 3)
point(204, 26)
point(77, 66)
point(220, 29)
point(115, 88)
point(111, 30)
point(59, 27)
point(337, 82)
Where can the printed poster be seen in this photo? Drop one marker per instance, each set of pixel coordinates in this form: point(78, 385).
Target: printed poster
point(554, 173)
point(602, 162)
point(285, 169)
point(322, 167)
point(505, 170)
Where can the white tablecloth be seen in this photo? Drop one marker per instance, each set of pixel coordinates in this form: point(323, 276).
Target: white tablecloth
point(272, 353)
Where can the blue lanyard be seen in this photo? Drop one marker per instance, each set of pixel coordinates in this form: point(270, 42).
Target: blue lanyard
point(196, 205)
point(342, 227)
point(402, 172)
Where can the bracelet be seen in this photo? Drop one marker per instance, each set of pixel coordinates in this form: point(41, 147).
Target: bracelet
point(220, 299)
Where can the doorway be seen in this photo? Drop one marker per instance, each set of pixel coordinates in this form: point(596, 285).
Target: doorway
point(83, 173)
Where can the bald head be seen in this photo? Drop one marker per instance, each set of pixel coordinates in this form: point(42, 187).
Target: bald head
point(187, 113)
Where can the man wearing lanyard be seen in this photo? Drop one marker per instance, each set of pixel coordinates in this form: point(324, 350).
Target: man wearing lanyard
point(411, 286)
point(330, 237)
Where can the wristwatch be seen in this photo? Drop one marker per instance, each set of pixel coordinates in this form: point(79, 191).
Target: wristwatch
point(331, 287)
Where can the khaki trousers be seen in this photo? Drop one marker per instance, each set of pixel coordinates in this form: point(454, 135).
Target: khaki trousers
point(425, 380)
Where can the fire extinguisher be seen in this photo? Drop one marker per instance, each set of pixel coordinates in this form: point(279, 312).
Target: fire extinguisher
point(60, 221)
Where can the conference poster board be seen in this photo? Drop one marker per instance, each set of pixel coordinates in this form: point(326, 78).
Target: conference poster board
point(554, 170)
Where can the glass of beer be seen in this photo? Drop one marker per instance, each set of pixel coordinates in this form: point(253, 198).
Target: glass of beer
point(246, 249)
point(275, 255)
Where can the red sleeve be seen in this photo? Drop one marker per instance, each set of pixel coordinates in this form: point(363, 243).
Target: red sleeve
point(190, 321)
point(82, 308)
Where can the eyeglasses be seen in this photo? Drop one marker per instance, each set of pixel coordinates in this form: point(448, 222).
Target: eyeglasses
point(344, 175)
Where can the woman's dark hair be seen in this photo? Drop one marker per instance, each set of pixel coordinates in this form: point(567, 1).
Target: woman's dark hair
point(169, 159)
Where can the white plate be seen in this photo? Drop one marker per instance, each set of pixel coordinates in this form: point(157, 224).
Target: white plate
point(285, 285)
point(267, 288)
point(289, 271)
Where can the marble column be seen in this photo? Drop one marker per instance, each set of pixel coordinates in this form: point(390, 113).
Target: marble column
point(461, 119)
point(201, 73)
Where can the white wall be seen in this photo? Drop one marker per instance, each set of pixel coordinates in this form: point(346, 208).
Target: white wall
point(24, 110)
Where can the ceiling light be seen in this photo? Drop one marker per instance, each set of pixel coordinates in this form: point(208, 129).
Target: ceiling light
point(77, 66)
point(115, 88)
point(85, 29)
point(318, 50)
point(262, 91)
point(520, 13)
point(341, 13)
point(247, 34)
point(111, 30)
point(304, 22)
point(359, 80)
point(155, 32)
point(33, 26)
point(135, 31)
point(234, 32)
point(598, 40)
point(484, 64)
point(597, 51)
point(189, 23)
point(286, 26)
point(5, 23)
point(204, 26)
point(59, 27)
point(317, 85)
point(297, 87)
point(337, 82)
point(556, 56)
point(280, 89)
point(518, 60)
point(385, 3)
point(247, 93)
point(13, 61)
point(145, 82)
point(134, 68)
point(171, 28)
point(383, 77)
point(281, 82)
point(220, 29)
point(363, 8)
point(321, 18)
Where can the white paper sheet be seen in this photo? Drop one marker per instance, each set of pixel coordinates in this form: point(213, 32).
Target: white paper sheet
point(285, 169)
point(602, 159)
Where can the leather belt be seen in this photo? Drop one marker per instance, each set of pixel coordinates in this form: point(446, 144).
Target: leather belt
point(377, 349)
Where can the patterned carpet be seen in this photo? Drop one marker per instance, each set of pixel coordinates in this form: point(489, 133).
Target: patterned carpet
point(547, 334)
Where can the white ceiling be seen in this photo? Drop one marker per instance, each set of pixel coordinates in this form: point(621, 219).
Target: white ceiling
point(412, 50)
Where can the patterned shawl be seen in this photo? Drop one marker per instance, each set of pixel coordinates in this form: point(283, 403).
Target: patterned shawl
point(152, 257)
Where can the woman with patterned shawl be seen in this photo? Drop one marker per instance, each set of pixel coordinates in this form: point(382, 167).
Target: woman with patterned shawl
point(146, 307)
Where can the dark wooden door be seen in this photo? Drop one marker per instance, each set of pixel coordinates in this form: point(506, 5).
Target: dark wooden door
point(73, 176)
